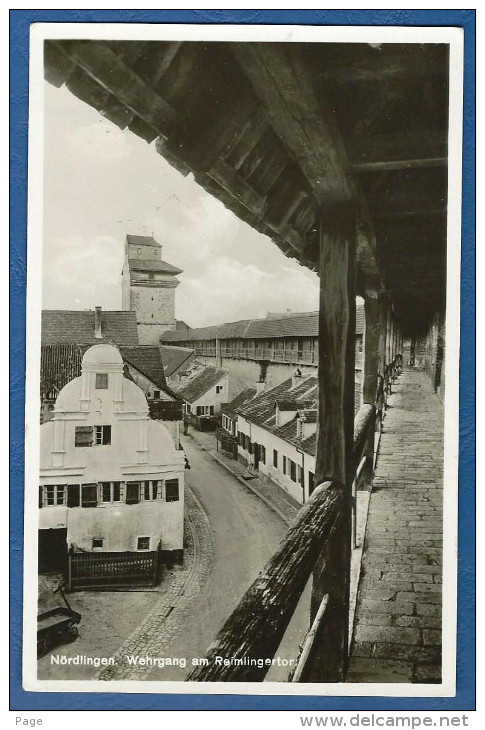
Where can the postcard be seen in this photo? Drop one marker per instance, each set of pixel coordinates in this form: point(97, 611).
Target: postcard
point(242, 359)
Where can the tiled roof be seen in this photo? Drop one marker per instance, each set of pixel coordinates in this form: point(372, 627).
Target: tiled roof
point(200, 384)
point(229, 330)
point(58, 365)
point(157, 266)
point(174, 357)
point(262, 408)
point(181, 325)
point(61, 326)
point(290, 325)
point(147, 361)
point(143, 240)
point(297, 325)
point(244, 396)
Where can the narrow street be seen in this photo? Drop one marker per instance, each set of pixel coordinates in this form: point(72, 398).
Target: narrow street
point(245, 531)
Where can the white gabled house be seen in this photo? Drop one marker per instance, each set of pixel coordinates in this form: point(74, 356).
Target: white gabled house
point(111, 479)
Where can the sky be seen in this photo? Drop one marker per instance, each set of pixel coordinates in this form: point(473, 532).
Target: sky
point(101, 183)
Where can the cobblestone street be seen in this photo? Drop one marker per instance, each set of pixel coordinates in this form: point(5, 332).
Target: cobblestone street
point(397, 635)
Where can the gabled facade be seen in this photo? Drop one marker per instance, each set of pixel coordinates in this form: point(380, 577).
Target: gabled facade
point(203, 395)
point(111, 479)
point(277, 435)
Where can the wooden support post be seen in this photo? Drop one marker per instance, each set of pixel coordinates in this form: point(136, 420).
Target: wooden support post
point(371, 346)
point(336, 377)
point(371, 367)
point(382, 335)
point(388, 337)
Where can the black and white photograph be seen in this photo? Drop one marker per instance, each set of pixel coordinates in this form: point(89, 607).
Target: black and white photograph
point(242, 359)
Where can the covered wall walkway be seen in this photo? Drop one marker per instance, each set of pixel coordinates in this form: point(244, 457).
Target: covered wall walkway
point(397, 629)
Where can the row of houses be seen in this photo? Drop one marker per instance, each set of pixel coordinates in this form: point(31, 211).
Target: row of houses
point(273, 431)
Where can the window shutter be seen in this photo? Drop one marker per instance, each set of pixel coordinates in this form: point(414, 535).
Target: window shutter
point(172, 490)
point(73, 495)
point(83, 436)
point(89, 495)
point(132, 492)
point(40, 497)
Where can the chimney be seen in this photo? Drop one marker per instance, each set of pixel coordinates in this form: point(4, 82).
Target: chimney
point(260, 385)
point(97, 323)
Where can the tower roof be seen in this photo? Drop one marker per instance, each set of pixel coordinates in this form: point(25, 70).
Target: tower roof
point(155, 266)
point(143, 240)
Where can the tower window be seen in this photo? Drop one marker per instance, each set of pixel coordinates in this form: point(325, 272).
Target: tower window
point(98, 543)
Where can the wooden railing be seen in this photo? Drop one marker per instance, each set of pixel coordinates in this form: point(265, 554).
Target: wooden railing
point(244, 648)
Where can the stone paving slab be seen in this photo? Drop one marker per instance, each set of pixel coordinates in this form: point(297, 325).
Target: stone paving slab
point(397, 630)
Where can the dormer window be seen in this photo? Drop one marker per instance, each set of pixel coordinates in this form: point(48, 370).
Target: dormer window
point(101, 381)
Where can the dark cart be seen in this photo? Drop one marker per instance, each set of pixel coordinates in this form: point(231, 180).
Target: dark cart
point(56, 626)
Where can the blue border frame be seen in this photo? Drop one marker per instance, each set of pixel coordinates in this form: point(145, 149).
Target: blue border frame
point(20, 21)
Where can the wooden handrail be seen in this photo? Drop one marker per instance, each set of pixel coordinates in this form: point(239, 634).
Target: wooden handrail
point(246, 644)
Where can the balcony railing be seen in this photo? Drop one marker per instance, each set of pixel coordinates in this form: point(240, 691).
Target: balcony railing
point(293, 357)
point(297, 357)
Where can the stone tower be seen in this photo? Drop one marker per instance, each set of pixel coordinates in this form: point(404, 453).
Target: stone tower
point(148, 288)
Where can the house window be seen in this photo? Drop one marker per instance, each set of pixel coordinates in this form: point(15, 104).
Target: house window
point(55, 495)
point(117, 492)
point(311, 482)
point(98, 543)
point(89, 495)
point(101, 381)
point(204, 411)
point(156, 394)
point(172, 490)
point(106, 492)
point(299, 475)
point(83, 436)
point(219, 388)
point(262, 454)
point(143, 543)
point(103, 435)
point(73, 495)
point(284, 464)
point(292, 471)
point(275, 458)
point(132, 492)
point(188, 408)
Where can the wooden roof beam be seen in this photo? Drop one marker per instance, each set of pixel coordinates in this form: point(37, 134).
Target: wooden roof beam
point(283, 85)
point(105, 67)
point(400, 164)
